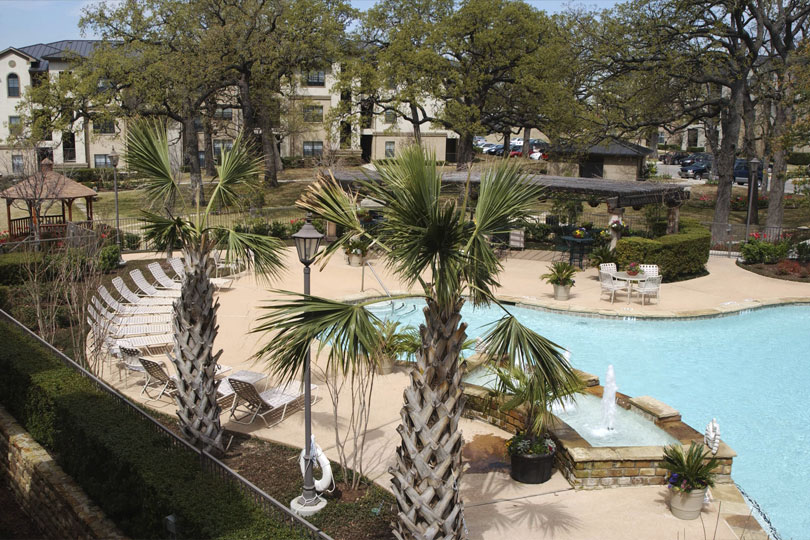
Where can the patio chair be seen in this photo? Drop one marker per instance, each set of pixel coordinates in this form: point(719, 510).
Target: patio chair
point(155, 375)
point(128, 361)
point(177, 265)
point(149, 289)
point(131, 309)
point(609, 284)
point(610, 268)
point(233, 267)
point(162, 279)
point(133, 298)
point(649, 269)
point(272, 402)
point(649, 287)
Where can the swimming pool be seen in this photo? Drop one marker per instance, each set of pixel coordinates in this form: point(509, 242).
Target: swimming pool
point(750, 371)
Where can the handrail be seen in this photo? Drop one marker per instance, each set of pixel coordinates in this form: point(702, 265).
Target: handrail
point(366, 263)
point(207, 461)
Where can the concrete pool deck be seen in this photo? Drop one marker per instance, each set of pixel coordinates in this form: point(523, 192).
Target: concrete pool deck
point(496, 506)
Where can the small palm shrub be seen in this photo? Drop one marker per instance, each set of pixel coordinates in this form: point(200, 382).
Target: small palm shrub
point(603, 255)
point(690, 471)
point(561, 273)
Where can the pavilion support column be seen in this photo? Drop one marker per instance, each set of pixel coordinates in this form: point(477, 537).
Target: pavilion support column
point(70, 209)
point(616, 215)
point(673, 219)
point(89, 208)
point(8, 214)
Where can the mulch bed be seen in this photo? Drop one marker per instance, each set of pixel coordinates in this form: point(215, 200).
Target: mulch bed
point(787, 270)
point(14, 522)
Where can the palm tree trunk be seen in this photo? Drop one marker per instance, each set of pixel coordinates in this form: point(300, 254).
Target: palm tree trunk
point(428, 462)
point(195, 328)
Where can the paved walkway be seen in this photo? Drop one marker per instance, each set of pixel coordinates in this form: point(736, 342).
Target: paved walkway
point(497, 507)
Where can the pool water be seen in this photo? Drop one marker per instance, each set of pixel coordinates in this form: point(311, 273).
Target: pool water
point(750, 371)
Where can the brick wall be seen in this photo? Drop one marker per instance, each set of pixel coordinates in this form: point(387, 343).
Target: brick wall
point(52, 499)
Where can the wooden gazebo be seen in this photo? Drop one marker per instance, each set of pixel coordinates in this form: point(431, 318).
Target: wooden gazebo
point(43, 189)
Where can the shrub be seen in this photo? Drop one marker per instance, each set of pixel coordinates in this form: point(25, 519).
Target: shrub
point(12, 266)
point(537, 232)
point(677, 255)
point(798, 158)
point(5, 298)
point(292, 162)
point(695, 149)
point(602, 255)
point(759, 251)
point(124, 465)
point(803, 252)
point(131, 241)
point(108, 258)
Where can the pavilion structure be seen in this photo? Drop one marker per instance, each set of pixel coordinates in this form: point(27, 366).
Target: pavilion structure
point(41, 191)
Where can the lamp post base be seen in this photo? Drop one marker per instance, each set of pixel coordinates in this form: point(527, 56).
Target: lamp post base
point(304, 509)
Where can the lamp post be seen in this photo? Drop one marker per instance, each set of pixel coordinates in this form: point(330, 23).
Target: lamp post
point(113, 157)
point(751, 215)
point(307, 242)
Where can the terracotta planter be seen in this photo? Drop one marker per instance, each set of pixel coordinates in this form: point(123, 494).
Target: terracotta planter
point(629, 273)
point(562, 292)
point(687, 505)
point(532, 469)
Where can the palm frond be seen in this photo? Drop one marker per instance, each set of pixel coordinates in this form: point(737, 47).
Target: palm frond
point(148, 154)
point(261, 253)
point(293, 325)
point(531, 352)
point(328, 200)
point(164, 232)
point(238, 168)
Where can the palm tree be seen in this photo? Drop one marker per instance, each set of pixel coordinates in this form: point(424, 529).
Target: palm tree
point(195, 312)
point(430, 241)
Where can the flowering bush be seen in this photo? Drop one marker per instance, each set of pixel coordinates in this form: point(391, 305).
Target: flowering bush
point(617, 226)
point(759, 251)
point(4, 237)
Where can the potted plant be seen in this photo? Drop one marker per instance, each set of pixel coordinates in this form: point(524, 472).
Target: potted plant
point(357, 249)
point(690, 476)
point(562, 277)
point(633, 269)
point(531, 451)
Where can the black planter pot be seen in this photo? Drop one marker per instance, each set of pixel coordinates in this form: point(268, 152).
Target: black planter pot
point(532, 469)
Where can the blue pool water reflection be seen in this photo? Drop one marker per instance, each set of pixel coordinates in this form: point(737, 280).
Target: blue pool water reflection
point(750, 371)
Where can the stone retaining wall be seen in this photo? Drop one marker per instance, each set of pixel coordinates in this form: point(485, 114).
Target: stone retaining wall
point(49, 496)
point(591, 467)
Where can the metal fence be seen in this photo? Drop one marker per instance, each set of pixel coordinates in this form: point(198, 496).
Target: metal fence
point(732, 235)
point(272, 507)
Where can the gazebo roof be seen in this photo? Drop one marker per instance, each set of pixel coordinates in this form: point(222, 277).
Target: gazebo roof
point(47, 185)
point(617, 193)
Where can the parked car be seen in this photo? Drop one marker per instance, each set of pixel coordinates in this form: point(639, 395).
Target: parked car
point(673, 158)
point(741, 172)
point(700, 169)
point(691, 159)
point(487, 146)
point(538, 155)
point(492, 150)
point(516, 151)
point(516, 142)
point(479, 141)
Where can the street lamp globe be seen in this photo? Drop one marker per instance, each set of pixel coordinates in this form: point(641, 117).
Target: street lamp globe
point(113, 157)
point(307, 242)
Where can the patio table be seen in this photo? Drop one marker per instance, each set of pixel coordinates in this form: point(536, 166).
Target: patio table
point(624, 276)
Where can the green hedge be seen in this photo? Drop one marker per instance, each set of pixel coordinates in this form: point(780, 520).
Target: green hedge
point(695, 149)
point(12, 267)
point(677, 255)
point(799, 158)
point(130, 470)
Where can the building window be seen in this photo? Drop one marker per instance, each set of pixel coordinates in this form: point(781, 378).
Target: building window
point(106, 127)
point(313, 113)
point(13, 85)
point(662, 137)
point(316, 78)
point(14, 125)
point(313, 148)
point(102, 161)
point(201, 158)
point(390, 117)
point(389, 149)
point(221, 145)
point(17, 164)
point(223, 113)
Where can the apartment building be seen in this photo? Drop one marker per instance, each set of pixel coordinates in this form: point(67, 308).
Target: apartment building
point(87, 146)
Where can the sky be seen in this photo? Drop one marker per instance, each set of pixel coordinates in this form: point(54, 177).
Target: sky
point(28, 22)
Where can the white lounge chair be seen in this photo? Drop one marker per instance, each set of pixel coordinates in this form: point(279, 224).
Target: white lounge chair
point(650, 270)
point(274, 401)
point(163, 280)
point(610, 284)
point(126, 318)
point(127, 330)
point(150, 290)
point(177, 266)
point(233, 267)
point(131, 309)
point(610, 268)
point(650, 287)
point(152, 343)
point(133, 298)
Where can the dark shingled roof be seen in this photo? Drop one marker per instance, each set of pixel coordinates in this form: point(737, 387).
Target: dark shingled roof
point(611, 147)
point(617, 193)
point(61, 50)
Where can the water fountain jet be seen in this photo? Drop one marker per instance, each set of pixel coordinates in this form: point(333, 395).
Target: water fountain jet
point(609, 400)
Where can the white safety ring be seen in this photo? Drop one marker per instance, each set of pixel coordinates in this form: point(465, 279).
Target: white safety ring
point(325, 481)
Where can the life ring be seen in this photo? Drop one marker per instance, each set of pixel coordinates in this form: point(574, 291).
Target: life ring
point(325, 481)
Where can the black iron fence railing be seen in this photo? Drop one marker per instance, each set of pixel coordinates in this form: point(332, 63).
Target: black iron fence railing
point(271, 506)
